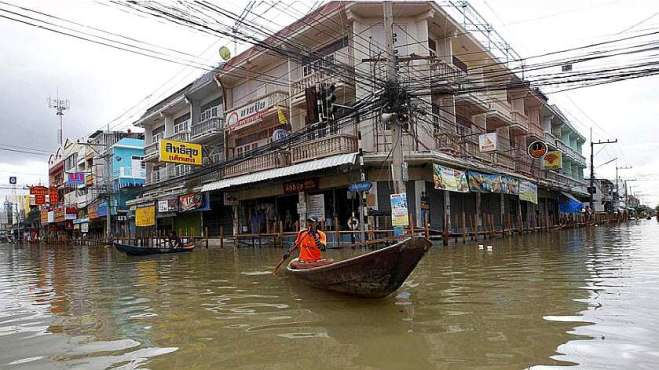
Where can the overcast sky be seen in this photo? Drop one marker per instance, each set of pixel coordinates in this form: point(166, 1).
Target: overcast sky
point(102, 83)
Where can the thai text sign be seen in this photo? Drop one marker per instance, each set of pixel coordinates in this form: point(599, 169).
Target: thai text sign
point(450, 179)
point(487, 142)
point(53, 195)
point(248, 114)
point(553, 160)
point(172, 151)
point(44, 216)
point(145, 216)
point(39, 193)
point(75, 178)
point(167, 205)
point(399, 214)
point(298, 186)
point(528, 191)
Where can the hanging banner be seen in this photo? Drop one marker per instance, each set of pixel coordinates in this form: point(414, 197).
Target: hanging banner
point(60, 216)
point(450, 179)
point(484, 182)
point(528, 192)
point(75, 178)
point(281, 117)
point(399, 213)
point(191, 202)
point(172, 151)
point(316, 206)
point(509, 185)
point(553, 160)
point(487, 142)
point(145, 216)
point(43, 216)
point(27, 201)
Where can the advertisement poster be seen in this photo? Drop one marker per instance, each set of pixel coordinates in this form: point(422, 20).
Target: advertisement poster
point(553, 160)
point(316, 206)
point(509, 185)
point(487, 142)
point(172, 151)
point(528, 192)
point(190, 202)
point(399, 213)
point(75, 178)
point(145, 216)
point(53, 195)
point(484, 182)
point(450, 179)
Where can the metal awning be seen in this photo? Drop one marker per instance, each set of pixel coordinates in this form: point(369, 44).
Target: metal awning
point(295, 169)
point(570, 196)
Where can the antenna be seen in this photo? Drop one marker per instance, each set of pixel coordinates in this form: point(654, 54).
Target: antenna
point(60, 105)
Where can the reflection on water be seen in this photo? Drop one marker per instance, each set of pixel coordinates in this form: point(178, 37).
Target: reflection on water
point(585, 297)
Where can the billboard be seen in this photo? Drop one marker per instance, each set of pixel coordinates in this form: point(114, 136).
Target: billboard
point(192, 201)
point(492, 183)
point(450, 179)
point(172, 151)
point(553, 160)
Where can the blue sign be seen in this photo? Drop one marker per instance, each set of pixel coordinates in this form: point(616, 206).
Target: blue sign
point(360, 186)
point(279, 134)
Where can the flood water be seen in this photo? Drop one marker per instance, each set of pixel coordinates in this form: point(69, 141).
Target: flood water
point(585, 297)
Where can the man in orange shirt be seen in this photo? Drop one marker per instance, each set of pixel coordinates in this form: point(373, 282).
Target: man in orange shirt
point(311, 242)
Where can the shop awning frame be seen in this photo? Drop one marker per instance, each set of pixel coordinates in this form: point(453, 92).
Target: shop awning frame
point(319, 164)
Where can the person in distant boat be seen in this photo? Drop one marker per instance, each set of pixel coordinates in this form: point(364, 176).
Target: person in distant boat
point(173, 240)
point(310, 241)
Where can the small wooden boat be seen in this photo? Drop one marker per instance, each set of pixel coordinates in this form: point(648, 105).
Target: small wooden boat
point(374, 275)
point(134, 250)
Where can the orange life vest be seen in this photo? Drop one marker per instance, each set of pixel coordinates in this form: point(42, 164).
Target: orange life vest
point(309, 248)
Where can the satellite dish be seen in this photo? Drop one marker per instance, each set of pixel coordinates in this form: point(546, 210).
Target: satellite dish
point(225, 53)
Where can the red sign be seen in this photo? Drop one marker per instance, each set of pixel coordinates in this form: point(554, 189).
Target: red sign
point(298, 186)
point(190, 201)
point(53, 195)
point(39, 199)
point(38, 190)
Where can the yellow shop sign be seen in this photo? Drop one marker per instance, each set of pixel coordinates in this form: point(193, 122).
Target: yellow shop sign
point(180, 152)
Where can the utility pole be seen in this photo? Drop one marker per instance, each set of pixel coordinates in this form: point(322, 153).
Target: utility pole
point(396, 130)
point(108, 183)
point(60, 105)
point(591, 189)
point(617, 189)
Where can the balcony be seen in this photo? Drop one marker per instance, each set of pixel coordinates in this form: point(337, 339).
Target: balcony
point(207, 129)
point(324, 70)
point(499, 114)
point(445, 76)
point(156, 176)
point(572, 153)
point(151, 152)
point(324, 147)
point(472, 149)
point(550, 139)
point(261, 162)
point(520, 122)
point(504, 160)
point(536, 131)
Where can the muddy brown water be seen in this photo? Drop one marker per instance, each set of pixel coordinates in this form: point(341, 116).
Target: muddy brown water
point(584, 298)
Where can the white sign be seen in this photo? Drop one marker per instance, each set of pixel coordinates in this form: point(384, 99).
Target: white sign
point(51, 217)
point(316, 206)
point(247, 115)
point(84, 227)
point(487, 142)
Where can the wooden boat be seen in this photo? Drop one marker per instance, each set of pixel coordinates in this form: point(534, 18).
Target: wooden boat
point(374, 275)
point(134, 250)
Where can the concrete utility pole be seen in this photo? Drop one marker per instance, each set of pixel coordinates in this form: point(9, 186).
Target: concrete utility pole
point(60, 105)
point(591, 189)
point(617, 189)
point(396, 129)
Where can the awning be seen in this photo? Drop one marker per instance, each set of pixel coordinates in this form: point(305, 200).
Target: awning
point(295, 169)
point(570, 204)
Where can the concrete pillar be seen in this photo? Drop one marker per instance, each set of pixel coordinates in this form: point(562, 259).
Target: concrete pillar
point(302, 207)
point(236, 220)
point(479, 219)
point(502, 205)
point(195, 110)
point(447, 208)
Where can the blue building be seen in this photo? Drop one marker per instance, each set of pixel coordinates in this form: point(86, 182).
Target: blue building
point(128, 175)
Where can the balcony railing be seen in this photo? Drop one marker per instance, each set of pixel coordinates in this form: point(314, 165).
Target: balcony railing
point(151, 151)
point(267, 101)
point(324, 147)
point(572, 153)
point(206, 128)
point(156, 176)
point(325, 71)
point(500, 108)
point(259, 163)
point(505, 160)
point(520, 121)
point(445, 72)
point(180, 136)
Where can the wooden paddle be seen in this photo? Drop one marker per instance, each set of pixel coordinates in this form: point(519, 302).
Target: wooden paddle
point(274, 272)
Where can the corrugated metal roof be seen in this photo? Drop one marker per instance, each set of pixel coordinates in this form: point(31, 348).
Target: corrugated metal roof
point(295, 169)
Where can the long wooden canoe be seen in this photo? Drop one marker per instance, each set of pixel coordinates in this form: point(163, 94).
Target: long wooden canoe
point(134, 250)
point(375, 274)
